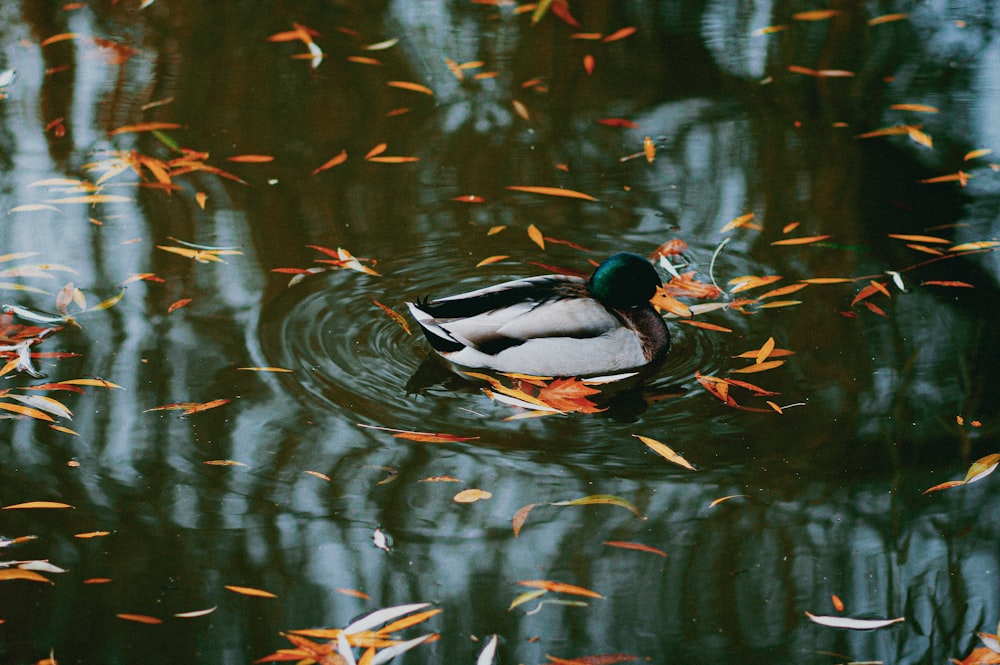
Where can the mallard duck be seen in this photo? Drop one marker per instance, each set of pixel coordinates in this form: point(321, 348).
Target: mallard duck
point(553, 325)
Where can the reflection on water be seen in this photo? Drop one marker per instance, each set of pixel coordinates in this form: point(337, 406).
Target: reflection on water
point(825, 498)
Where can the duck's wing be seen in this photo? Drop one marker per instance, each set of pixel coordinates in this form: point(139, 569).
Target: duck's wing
point(499, 317)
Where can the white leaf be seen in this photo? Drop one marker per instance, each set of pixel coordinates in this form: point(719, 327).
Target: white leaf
point(379, 617)
point(385, 655)
point(853, 624)
point(488, 652)
point(344, 649)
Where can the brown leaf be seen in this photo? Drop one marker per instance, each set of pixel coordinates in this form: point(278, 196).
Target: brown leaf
point(520, 517)
point(635, 546)
point(471, 496)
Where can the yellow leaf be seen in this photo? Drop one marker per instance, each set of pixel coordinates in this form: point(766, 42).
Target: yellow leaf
point(738, 222)
point(536, 236)
point(765, 351)
point(919, 238)
point(969, 246)
point(649, 149)
point(92, 534)
point(815, 15)
point(666, 452)
point(972, 154)
point(471, 496)
point(26, 411)
point(887, 18)
point(597, 499)
point(704, 325)
point(92, 198)
point(525, 597)
point(916, 108)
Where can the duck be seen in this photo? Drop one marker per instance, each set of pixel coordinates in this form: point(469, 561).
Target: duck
point(553, 325)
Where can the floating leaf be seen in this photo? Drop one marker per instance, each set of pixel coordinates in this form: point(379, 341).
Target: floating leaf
point(916, 108)
point(520, 517)
point(408, 85)
point(336, 160)
point(721, 499)
point(92, 534)
point(144, 127)
point(560, 587)
point(705, 325)
point(941, 282)
point(552, 191)
point(526, 597)
point(759, 367)
point(492, 259)
point(738, 222)
point(887, 18)
point(765, 351)
point(489, 652)
point(354, 593)
point(665, 451)
point(250, 591)
point(815, 15)
point(621, 33)
point(22, 574)
point(174, 306)
point(92, 198)
point(625, 545)
point(853, 624)
point(196, 613)
point(140, 618)
point(264, 369)
point(596, 499)
point(919, 238)
point(800, 241)
point(471, 496)
point(251, 159)
point(536, 236)
point(37, 504)
point(223, 462)
point(33, 207)
point(972, 246)
point(395, 316)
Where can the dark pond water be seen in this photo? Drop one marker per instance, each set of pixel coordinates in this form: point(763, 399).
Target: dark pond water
point(879, 404)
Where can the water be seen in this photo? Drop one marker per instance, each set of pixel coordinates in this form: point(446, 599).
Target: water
point(826, 496)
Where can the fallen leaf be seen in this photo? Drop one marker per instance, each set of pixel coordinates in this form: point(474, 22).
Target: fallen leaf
point(800, 241)
point(552, 191)
point(22, 574)
point(597, 499)
point(250, 591)
point(560, 587)
point(471, 496)
point(520, 517)
point(174, 306)
point(705, 325)
point(536, 236)
point(852, 624)
point(196, 613)
point(758, 367)
point(37, 504)
point(408, 85)
point(336, 160)
point(395, 316)
point(626, 545)
point(666, 452)
point(140, 618)
point(492, 259)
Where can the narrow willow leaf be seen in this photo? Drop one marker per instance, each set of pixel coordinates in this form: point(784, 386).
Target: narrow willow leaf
point(853, 624)
point(37, 504)
point(666, 452)
point(596, 499)
point(489, 652)
point(552, 191)
point(379, 617)
point(140, 618)
point(536, 236)
point(250, 591)
point(626, 545)
point(526, 597)
point(560, 587)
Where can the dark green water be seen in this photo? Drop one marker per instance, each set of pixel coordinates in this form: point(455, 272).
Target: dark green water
point(830, 490)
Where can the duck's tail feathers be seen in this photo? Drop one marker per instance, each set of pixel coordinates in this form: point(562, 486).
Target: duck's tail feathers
point(438, 337)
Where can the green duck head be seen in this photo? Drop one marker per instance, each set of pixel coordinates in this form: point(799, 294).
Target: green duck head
point(624, 280)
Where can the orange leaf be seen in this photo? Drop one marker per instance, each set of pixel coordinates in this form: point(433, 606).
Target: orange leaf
point(887, 18)
point(22, 574)
point(972, 246)
point(815, 15)
point(706, 326)
point(649, 149)
point(92, 534)
point(352, 592)
point(536, 236)
point(223, 462)
point(721, 499)
point(251, 159)
point(838, 604)
point(621, 33)
point(961, 177)
point(62, 37)
point(492, 259)
point(377, 150)
point(407, 85)
point(26, 410)
point(469, 198)
point(140, 618)
point(178, 304)
point(560, 587)
point(144, 127)
point(395, 316)
point(588, 64)
point(759, 367)
point(520, 517)
point(37, 504)
point(625, 545)
point(800, 241)
point(552, 191)
point(944, 486)
point(336, 160)
point(250, 591)
point(394, 159)
point(916, 108)
point(783, 290)
point(935, 282)
point(919, 238)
